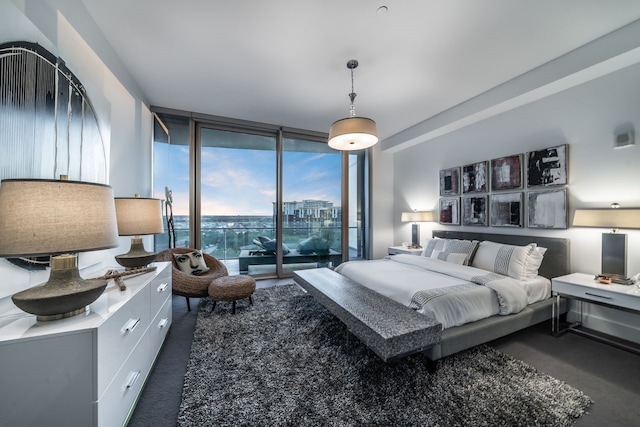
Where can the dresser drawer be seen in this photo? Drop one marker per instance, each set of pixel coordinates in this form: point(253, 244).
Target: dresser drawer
point(160, 290)
point(160, 327)
point(119, 334)
point(118, 399)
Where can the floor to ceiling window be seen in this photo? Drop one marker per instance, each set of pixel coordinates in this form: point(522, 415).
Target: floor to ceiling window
point(266, 201)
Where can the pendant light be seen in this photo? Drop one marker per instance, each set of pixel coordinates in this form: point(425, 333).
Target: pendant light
point(352, 133)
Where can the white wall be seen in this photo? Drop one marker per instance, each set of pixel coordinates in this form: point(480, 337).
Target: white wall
point(585, 117)
point(65, 28)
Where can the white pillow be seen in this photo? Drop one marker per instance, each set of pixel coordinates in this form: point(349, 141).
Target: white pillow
point(456, 246)
point(191, 263)
point(449, 257)
point(430, 245)
point(519, 262)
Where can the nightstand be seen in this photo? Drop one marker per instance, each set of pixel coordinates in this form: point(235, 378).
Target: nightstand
point(395, 250)
point(584, 288)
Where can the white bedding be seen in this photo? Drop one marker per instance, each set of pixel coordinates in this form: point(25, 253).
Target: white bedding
point(446, 291)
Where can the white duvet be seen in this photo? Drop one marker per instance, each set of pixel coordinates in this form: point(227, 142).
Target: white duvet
point(450, 293)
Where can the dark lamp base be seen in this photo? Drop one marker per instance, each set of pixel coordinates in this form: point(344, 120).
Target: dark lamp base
point(136, 257)
point(66, 294)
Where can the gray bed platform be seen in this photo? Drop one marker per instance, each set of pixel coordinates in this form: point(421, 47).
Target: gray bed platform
point(555, 263)
point(338, 296)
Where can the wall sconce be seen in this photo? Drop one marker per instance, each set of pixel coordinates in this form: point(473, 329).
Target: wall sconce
point(57, 218)
point(138, 216)
point(416, 217)
point(614, 244)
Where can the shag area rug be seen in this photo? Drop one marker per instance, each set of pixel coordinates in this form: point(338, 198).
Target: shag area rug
point(287, 361)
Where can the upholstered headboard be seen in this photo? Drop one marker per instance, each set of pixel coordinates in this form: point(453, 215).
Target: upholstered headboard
point(556, 260)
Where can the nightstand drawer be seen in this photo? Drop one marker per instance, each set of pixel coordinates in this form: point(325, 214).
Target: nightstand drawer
point(584, 287)
point(160, 290)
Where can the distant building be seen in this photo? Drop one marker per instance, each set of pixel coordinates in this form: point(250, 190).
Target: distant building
point(309, 211)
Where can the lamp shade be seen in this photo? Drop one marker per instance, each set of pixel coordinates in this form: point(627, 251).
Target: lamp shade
point(419, 216)
point(353, 133)
point(138, 216)
point(44, 217)
point(607, 218)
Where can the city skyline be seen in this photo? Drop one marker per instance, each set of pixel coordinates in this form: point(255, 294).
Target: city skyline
point(243, 181)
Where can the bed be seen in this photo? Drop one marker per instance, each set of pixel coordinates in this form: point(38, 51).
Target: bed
point(451, 292)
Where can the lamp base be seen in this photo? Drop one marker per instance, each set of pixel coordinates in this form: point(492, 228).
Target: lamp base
point(66, 294)
point(137, 256)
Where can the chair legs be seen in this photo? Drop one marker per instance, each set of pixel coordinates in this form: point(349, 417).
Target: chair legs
point(233, 305)
point(188, 304)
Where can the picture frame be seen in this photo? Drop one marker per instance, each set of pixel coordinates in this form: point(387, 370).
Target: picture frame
point(475, 210)
point(547, 209)
point(450, 182)
point(450, 211)
point(506, 173)
point(475, 178)
point(547, 167)
point(506, 210)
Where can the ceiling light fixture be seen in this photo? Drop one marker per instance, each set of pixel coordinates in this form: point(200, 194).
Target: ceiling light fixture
point(352, 133)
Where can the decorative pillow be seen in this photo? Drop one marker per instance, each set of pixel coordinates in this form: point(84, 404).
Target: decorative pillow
point(449, 257)
point(269, 245)
point(519, 262)
point(191, 263)
point(467, 247)
point(435, 244)
point(313, 244)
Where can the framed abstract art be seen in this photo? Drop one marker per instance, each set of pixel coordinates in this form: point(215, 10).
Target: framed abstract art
point(475, 210)
point(450, 182)
point(506, 210)
point(506, 173)
point(450, 211)
point(547, 167)
point(475, 178)
point(547, 209)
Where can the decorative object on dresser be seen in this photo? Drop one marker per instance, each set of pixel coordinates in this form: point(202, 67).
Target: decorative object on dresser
point(352, 133)
point(416, 217)
point(85, 370)
point(190, 285)
point(138, 216)
point(58, 218)
point(395, 250)
point(614, 244)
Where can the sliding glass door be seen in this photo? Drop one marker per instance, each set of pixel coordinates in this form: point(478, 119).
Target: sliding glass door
point(264, 200)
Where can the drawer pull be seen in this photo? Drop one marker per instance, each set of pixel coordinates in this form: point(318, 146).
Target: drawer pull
point(163, 287)
point(131, 379)
point(598, 296)
point(163, 323)
point(130, 326)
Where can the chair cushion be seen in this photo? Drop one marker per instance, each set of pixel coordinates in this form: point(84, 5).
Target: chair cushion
point(191, 263)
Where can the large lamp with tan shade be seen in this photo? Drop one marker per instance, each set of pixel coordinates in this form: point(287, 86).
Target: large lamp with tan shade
point(416, 217)
point(138, 216)
point(58, 218)
point(614, 244)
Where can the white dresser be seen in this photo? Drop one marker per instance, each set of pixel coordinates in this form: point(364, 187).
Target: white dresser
point(87, 370)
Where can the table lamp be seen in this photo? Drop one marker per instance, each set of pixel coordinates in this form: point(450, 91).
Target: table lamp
point(614, 244)
point(416, 217)
point(138, 216)
point(57, 218)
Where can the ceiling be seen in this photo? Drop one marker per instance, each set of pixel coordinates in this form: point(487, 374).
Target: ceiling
point(283, 62)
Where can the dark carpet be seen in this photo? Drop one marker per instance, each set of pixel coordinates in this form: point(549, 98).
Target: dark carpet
point(288, 361)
